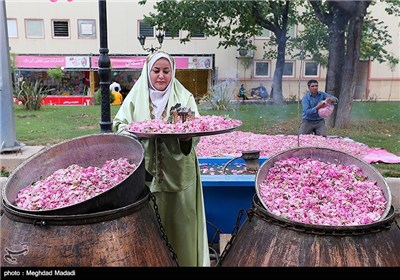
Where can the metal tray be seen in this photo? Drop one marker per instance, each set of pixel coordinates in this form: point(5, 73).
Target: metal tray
point(150, 135)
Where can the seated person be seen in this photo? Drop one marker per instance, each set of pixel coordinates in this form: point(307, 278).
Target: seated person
point(254, 93)
point(242, 93)
point(259, 92)
point(262, 92)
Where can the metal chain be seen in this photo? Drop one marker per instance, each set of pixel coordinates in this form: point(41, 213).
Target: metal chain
point(162, 229)
point(233, 236)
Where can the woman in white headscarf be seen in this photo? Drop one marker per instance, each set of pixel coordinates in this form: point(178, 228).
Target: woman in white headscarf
point(172, 162)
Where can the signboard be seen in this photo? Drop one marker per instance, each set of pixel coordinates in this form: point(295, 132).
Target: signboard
point(117, 62)
point(137, 62)
point(68, 100)
point(34, 61)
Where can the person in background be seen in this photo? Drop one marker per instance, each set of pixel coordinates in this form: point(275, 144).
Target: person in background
point(262, 92)
point(242, 92)
point(312, 101)
point(171, 163)
point(259, 92)
point(113, 85)
point(118, 98)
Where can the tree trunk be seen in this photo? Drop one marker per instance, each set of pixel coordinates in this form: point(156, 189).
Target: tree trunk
point(278, 74)
point(350, 67)
point(352, 57)
point(336, 58)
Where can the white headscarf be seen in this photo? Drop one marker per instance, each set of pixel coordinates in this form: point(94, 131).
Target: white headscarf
point(159, 99)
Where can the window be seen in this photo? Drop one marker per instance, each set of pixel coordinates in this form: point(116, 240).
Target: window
point(146, 29)
point(197, 35)
point(34, 28)
point(60, 28)
point(261, 69)
point(86, 28)
point(265, 34)
point(169, 34)
point(12, 28)
point(310, 69)
point(288, 69)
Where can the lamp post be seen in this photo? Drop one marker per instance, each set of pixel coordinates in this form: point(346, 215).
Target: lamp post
point(104, 70)
point(160, 38)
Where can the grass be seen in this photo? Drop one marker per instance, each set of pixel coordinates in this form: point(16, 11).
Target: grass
point(376, 124)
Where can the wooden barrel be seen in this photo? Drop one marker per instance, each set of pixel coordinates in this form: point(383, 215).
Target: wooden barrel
point(129, 236)
point(265, 239)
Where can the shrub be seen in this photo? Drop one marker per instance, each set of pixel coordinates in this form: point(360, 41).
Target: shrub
point(31, 95)
point(97, 95)
point(56, 73)
point(220, 96)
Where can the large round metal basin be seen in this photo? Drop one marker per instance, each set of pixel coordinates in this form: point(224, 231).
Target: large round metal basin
point(92, 150)
point(325, 155)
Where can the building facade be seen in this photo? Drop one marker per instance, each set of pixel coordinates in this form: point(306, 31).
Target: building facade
point(46, 34)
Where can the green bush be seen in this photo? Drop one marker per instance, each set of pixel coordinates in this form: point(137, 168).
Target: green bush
point(31, 95)
point(97, 95)
point(220, 96)
point(56, 73)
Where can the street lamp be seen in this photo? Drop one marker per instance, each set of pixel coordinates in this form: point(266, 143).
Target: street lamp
point(104, 71)
point(142, 40)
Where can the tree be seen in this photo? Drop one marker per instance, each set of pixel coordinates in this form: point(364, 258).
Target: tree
point(233, 22)
point(344, 32)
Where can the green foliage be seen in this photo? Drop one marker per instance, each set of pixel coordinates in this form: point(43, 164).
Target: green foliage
point(56, 73)
point(4, 172)
point(31, 95)
point(12, 61)
point(220, 96)
point(232, 21)
point(314, 39)
point(98, 97)
point(375, 37)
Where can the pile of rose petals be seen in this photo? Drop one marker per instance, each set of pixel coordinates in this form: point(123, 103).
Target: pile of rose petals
point(233, 143)
point(326, 111)
point(321, 193)
point(73, 184)
point(196, 125)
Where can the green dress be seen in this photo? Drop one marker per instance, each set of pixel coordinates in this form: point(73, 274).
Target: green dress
point(174, 166)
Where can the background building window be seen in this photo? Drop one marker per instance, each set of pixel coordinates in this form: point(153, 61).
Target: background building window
point(34, 28)
point(60, 28)
point(265, 34)
point(169, 34)
point(86, 28)
point(197, 35)
point(12, 28)
point(261, 69)
point(310, 69)
point(146, 29)
point(288, 69)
